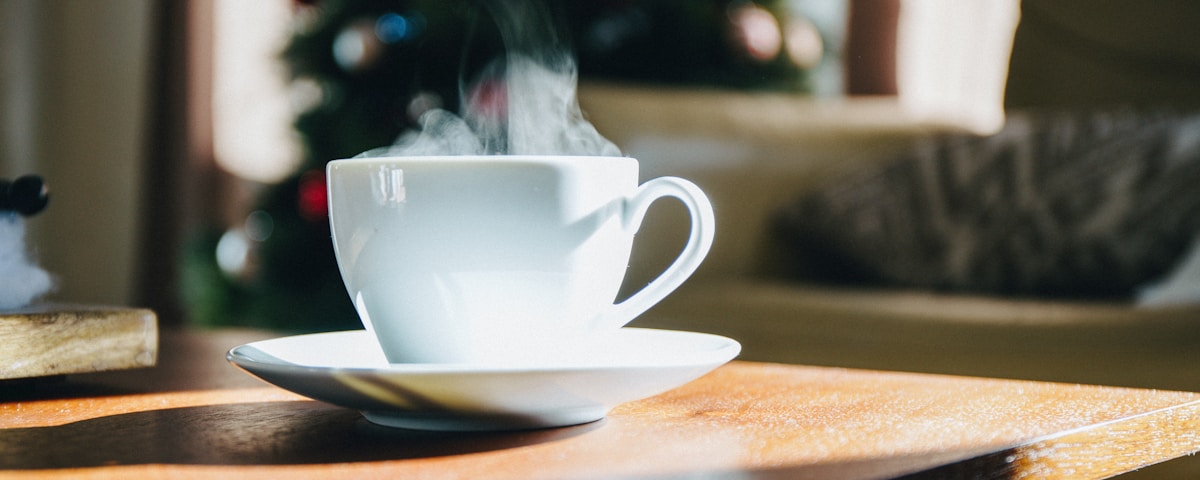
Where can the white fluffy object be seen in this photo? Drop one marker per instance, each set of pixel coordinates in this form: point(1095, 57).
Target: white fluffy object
point(21, 281)
point(1180, 287)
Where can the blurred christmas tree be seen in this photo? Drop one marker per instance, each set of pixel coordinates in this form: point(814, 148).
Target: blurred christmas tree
point(378, 64)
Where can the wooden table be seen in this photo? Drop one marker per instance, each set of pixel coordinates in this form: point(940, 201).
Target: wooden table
point(196, 416)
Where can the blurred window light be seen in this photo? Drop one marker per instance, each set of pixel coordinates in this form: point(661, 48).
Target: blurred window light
point(952, 60)
point(252, 109)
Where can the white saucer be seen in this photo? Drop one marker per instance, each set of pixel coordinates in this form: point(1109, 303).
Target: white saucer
point(348, 369)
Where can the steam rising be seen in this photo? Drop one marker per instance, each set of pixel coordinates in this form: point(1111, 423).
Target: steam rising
point(523, 104)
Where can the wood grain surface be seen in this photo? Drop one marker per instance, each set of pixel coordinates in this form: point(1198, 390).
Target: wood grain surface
point(49, 340)
point(193, 417)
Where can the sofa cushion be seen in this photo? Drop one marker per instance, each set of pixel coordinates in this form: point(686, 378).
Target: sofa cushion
point(1055, 204)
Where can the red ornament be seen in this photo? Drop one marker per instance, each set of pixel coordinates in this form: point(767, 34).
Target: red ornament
point(488, 100)
point(312, 199)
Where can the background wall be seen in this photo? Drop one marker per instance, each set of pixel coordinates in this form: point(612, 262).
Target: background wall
point(73, 90)
point(1088, 54)
point(76, 85)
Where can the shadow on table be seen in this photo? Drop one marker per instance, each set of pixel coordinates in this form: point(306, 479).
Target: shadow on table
point(270, 433)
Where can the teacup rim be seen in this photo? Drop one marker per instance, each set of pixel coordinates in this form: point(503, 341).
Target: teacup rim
point(480, 157)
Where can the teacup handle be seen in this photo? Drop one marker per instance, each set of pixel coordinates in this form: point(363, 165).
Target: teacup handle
point(699, 242)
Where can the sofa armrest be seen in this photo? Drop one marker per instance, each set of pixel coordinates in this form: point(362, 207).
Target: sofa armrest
point(1079, 342)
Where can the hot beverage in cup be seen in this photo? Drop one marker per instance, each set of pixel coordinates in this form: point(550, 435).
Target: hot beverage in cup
point(498, 259)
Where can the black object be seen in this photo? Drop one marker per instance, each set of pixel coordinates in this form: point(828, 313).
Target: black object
point(27, 195)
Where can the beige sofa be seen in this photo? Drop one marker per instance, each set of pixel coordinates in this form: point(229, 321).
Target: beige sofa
point(755, 153)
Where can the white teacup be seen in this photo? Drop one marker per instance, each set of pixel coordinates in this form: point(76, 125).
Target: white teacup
point(496, 258)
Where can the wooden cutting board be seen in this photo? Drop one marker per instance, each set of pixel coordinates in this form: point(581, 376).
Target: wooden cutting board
point(54, 339)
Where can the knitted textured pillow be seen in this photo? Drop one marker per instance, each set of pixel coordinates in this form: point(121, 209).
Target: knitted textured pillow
point(1055, 204)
